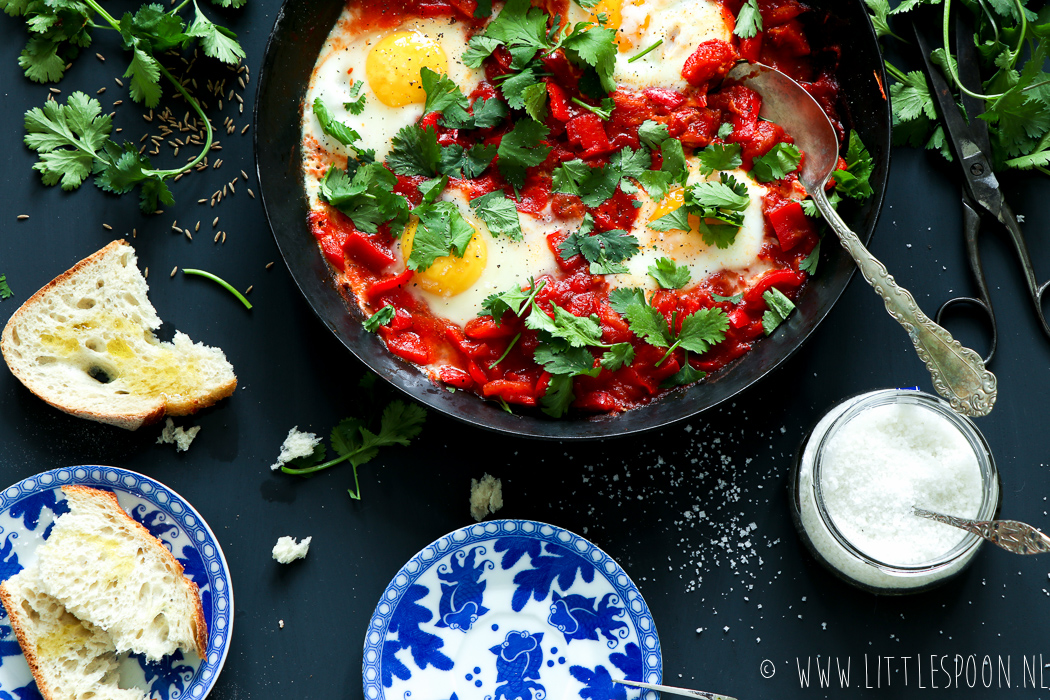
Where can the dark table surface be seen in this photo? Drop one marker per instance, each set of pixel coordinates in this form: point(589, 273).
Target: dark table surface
point(723, 602)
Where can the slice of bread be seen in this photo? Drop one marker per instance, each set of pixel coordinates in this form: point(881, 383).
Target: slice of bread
point(70, 659)
point(110, 571)
point(85, 344)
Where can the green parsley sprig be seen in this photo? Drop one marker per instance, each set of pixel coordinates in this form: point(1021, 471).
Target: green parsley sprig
point(74, 140)
point(5, 289)
point(1012, 51)
point(358, 440)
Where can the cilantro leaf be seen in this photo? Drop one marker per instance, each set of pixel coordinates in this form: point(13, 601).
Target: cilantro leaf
point(596, 47)
point(414, 151)
point(144, 72)
point(41, 62)
point(703, 329)
point(657, 183)
point(516, 300)
point(353, 441)
point(683, 377)
point(5, 289)
point(332, 127)
point(432, 189)
point(571, 361)
point(725, 131)
point(728, 193)
point(782, 159)
point(623, 297)
point(653, 134)
point(809, 265)
point(578, 331)
point(489, 112)
point(442, 94)
point(676, 220)
point(382, 317)
point(367, 197)
point(735, 299)
point(218, 42)
point(520, 148)
point(441, 231)
point(499, 214)
point(534, 100)
point(479, 48)
point(669, 274)
point(780, 307)
point(748, 20)
point(719, 156)
point(604, 251)
point(853, 181)
point(649, 324)
point(556, 400)
point(69, 138)
point(674, 161)
point(356, 105)
point(514, 87)
point(619, 355)
point(593, 185)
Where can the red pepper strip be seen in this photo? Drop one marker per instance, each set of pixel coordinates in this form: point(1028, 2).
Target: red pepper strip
point(381, 287)
point(784, 280)
point(456, 377)
point(790, 223)
point(366, 252)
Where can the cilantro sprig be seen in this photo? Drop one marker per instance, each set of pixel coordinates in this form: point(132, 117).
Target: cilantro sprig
point(605, 251)
point(719, 205)
point(358, 441)
point(74, 140)
point(1012, 53)
point(5, 289)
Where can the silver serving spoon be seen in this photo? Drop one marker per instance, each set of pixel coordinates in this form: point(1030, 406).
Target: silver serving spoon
point(958, 373)
point(1011, 535)
point(704, 695)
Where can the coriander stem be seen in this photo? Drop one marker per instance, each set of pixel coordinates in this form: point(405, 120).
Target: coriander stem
point(950, 64)
point(895, 72)
point(635, 57)
point(356, 493)
point(221, 282)
point(506, 352)
point(179, 8)
point(317, 467)
point(103, 14)
point(209, 134)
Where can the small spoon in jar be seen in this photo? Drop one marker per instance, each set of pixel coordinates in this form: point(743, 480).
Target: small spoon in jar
point(959, 374)
point(670, 690)
point(1011, 535)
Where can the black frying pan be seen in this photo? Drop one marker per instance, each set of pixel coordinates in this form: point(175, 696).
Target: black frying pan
point(302, 27)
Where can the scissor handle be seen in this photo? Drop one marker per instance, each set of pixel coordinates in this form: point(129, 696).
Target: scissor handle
point(988, 314)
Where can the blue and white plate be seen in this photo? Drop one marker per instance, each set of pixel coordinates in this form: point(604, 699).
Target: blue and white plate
point(510, 610)
point(28, 510)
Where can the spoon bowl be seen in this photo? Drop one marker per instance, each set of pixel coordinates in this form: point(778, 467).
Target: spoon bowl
point(958, 373)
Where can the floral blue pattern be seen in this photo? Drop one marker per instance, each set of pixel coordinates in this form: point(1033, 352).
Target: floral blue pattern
point(507, 610)
point(36, 502)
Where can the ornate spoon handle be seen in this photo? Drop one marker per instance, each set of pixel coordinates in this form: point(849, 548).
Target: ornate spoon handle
point(958, 373)
point(1011, 535)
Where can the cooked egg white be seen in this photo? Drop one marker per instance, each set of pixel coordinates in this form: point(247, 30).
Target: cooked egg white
point(455, 288)
point(388, 62)
point(682, 25)
point(688, 247)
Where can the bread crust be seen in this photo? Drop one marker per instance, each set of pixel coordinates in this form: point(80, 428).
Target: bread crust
point(200, 627)
point(14, 613)
point(128, 421)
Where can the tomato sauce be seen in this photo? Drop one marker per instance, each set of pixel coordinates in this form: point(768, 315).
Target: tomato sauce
point(494, 357)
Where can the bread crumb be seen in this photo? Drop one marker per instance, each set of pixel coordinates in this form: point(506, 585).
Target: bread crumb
point(280, 623)
point(486, 496)
point(288, 550)
point(297, 444)
point(178, 436)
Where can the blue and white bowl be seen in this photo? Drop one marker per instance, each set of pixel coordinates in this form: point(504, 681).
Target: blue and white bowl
point(27, 511)
point(514, 610)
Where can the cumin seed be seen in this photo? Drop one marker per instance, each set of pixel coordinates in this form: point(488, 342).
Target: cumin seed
point(174, 270)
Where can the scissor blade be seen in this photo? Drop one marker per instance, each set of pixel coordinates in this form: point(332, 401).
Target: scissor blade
point(970, 77)
point(980, 181)
point(704, 695)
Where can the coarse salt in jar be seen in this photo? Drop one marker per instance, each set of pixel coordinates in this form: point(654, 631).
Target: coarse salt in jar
point(864, 468)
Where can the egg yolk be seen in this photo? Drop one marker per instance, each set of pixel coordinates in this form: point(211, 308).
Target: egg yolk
point(449, 275)
point(613, 11)
point(674, 200)
point(393, 66)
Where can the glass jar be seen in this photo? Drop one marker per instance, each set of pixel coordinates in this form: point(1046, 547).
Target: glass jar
point(825, 539)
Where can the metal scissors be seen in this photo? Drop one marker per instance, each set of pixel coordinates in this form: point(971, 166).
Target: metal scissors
point(982, 197)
